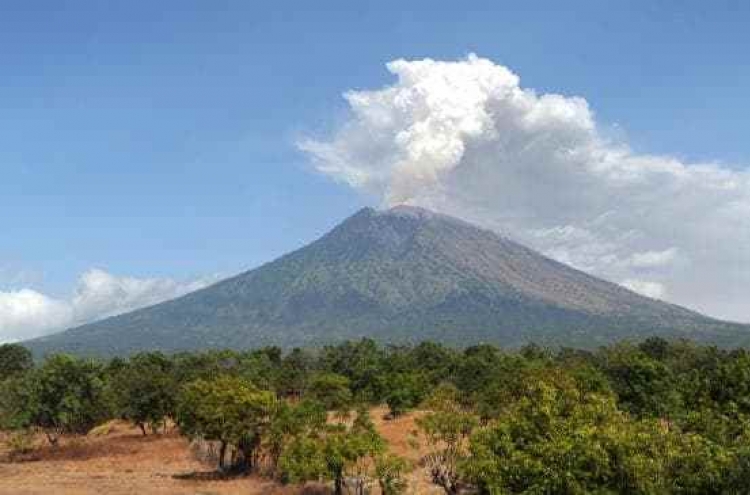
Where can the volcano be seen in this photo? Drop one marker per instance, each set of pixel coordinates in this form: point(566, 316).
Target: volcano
point(401, 275)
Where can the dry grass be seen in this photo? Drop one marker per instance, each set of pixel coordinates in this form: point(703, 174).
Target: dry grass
point(122, 461)
point(117, 459)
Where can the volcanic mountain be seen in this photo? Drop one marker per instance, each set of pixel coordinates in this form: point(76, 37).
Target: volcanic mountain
point(400, 275)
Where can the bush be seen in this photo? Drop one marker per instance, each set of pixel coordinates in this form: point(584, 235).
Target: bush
point(391, 471)
point(20, 444)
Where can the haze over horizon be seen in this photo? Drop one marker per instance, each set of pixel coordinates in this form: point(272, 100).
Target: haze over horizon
point(139, 168)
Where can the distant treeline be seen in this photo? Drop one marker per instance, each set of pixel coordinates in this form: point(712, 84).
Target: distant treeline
point(648, 418)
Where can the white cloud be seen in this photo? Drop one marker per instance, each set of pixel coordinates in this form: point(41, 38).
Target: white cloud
point(652, 259)
point(27, 313)
point(649, 289)
point(465, 138)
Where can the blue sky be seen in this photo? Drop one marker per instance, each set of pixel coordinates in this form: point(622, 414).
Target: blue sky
point(156, 139)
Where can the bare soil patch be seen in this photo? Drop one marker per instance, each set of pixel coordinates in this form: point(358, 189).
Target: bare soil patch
point(119, 460)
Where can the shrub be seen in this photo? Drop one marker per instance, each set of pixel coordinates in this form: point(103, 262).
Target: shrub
point(20, 444)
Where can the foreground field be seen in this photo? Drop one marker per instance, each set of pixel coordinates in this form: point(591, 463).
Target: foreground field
point(656, 417)
point(123, 461)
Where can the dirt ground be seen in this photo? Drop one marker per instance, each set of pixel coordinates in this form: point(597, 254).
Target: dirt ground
point(121, 460)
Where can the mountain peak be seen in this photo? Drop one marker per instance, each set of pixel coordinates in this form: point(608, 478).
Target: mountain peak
point(407, 210)
point(401, 210)
point(421, 214)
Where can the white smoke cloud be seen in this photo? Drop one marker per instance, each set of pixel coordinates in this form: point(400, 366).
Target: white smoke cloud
point(465, 138)
point(26, 313)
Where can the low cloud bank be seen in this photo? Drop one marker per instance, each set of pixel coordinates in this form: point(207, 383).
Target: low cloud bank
point(27, 313)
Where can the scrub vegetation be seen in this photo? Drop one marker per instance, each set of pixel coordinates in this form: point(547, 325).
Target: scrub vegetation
point(651, 417)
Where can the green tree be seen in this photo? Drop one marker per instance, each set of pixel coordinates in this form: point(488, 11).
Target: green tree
point(146, 390)
point(260, 367)
point(361, 362)
point(390, 471)
point(558, 438)
point(435, 362)
point(228, 410)
point(478, 365)
point(15, 402)
point(405, 391)
point(190, 366)
point(333, 451)
point(547, 442)
point(330, 389)
point(291, 422)
point(294, 371)
point(644, 386)
point(68, 395)
point(14, 359)
point(446, 429)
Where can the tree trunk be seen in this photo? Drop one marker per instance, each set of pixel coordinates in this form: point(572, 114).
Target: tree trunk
point(52, 438)
point(338, 485)
point(142, 426)
point(249, 451)
point(222, 452)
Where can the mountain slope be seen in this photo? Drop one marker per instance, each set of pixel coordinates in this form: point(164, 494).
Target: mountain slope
point(400, 275)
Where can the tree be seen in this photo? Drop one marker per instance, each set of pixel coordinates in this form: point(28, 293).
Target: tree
point(479, 365)
point(332, 451)
point(390, 471)
point(361, 363)
point(293, 375)
point(726, 385)
point(260, 367)
point(330, 389)
point(405, 390)
point(546, 442)
point(559, 438)
point(447, 429)
point(68, 395)
point(190, 366)
point(655, 347)
point(146, 390)
point(290, 422)
point(15, 402)
point(228, 410)
point(434, 358)
point(644, 386)
point(14, 359)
